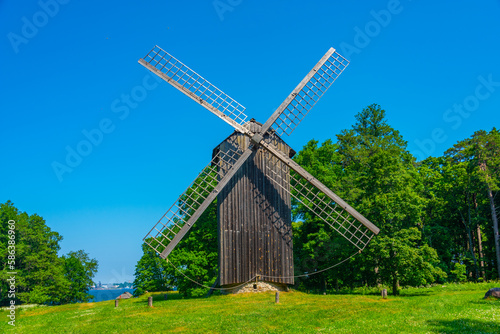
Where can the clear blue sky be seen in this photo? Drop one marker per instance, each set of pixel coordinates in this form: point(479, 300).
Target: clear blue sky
point(67, 68)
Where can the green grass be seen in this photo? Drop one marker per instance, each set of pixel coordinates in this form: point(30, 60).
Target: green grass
point(450, 309)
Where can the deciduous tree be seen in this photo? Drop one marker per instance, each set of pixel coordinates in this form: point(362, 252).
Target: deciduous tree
point(79, 270)
point(42, 277)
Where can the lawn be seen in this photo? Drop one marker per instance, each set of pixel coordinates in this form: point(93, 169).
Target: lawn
point(449, 309)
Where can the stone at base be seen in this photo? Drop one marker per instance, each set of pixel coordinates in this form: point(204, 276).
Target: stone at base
point(255, 287)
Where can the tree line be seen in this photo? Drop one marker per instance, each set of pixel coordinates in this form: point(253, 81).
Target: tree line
point(438, 217)
point(41, 276)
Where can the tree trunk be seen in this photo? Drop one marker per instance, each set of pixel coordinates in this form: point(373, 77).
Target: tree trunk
point(395, 286)
point(496, 236)
point(479, 240)
point(481, 256)
point(377, 277)
point(470, 242)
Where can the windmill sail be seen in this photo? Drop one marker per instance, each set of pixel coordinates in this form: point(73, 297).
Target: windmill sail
point(322, 202)
point(191, 204)
point(296, 106)
point(195, 86)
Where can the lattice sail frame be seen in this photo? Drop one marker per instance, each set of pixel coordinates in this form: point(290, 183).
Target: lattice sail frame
point(190, 81)
point(312, 91)
point(190, 200)
point(319, 203)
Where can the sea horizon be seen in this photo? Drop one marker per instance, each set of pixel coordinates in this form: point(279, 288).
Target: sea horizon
point(107, 294)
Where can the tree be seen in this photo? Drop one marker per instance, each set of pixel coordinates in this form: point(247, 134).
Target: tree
point(79, 270)
point(151, 273)
point(42, 276)
point(40, 270)
point(455, 214)
point(481, 153)
point(380, 177)
point(380, 180)
point(404, 259)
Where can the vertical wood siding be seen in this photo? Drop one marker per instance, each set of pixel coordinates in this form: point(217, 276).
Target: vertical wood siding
point(254, 220)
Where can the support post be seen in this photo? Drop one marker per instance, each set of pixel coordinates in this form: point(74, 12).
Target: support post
point(116, 302)
point(209, 293)
point(277, 297)
point(150, 301)
point(384, 293)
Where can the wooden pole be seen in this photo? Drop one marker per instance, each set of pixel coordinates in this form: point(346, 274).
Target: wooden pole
point(150, 301)
point(116, 302)
point(384, 293)
point(277, 297)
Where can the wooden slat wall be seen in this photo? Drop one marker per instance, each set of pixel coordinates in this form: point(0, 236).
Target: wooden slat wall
point(254, 221)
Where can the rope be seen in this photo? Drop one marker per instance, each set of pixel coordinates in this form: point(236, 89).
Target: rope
point(316, 272)
point(206, 286)
point(275, 277)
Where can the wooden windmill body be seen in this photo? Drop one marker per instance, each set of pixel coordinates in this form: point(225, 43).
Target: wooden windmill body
point(254, 218)
point(254, 179)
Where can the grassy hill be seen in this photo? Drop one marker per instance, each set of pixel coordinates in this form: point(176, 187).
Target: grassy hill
point(450, 309)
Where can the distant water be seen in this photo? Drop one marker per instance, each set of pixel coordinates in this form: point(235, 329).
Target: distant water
point(101, 295)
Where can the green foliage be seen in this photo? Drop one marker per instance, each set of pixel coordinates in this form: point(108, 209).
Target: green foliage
point(79, 270)
point(480, 154)
point(404, 259)
point(42, 276)
point(380, 178)
point(195, 257)
point(459, 272)
point(150, 272)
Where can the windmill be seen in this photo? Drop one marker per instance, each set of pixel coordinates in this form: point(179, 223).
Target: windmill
point(254, 179)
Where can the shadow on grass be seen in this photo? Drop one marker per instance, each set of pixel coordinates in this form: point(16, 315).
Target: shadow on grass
point(464, 326)
point(490, 301)
point(163, 296)
point(402, 293)
point(419, 293)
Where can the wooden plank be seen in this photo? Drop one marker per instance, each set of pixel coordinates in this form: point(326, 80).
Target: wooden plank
point(258, 230)
point(209, 293)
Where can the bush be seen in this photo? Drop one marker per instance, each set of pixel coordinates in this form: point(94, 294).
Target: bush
point(459, 273)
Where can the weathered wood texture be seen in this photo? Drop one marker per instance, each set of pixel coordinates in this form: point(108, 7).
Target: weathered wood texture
point(254, 219)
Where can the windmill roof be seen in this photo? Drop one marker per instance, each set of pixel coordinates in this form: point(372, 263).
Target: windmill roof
point(255, 126)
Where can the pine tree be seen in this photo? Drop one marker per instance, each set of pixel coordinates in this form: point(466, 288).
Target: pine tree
point(482, 154)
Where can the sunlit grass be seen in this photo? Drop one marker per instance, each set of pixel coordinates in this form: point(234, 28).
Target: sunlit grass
point(454, 308)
